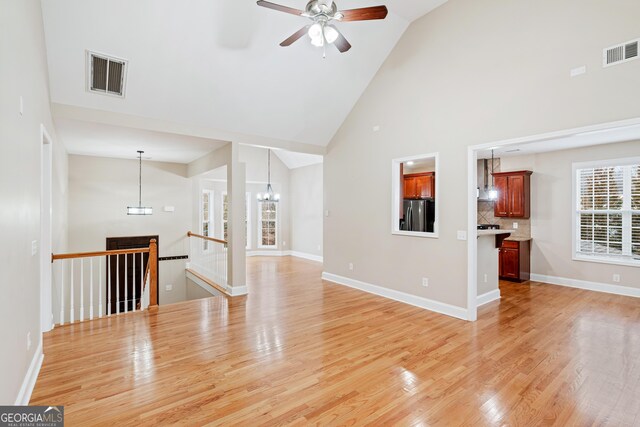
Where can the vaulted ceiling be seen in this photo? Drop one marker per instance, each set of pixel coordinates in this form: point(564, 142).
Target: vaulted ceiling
point(216, 64)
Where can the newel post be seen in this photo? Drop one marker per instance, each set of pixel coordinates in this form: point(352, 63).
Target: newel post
point(153, 273)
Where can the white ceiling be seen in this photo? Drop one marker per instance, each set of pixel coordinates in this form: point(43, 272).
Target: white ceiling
point(585, 139)
point(294, 160)
point(95, 139)
point(217, 63)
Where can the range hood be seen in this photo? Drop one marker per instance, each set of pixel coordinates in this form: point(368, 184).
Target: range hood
point(484, 180)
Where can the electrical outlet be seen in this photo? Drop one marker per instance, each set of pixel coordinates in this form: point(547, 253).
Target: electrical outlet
point(462, 235)
point(486, 278)
point(326, 213)
point(21, 110)
point(284, 243)
point(28, 341)
point(168, 288)
point(425, 282)
point(350, 266)
point(578, 71)
point(515, 225)
point(319, 247)
point(376, 128)
point(616, 278)
point(34, 247)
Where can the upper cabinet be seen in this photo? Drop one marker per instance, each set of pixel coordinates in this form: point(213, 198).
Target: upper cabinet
point(420, 185)
point(514, 194)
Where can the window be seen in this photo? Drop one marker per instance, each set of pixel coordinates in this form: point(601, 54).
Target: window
point(247, 218)
point(206, 216)
point(607, 216)
point(267, 224)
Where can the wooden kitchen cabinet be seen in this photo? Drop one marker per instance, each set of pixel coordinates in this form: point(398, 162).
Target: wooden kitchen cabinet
point(514, 261)
point(514, 194)
point(420, 186)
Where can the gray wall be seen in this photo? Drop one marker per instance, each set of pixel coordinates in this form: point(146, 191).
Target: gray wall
point(470, 72)
point(23, 72)
point(306, 209)
point(551, 213)
point(100, 190)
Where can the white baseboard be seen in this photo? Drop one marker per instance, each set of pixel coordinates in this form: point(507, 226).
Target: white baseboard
point(488, 297)
point(438, 307)
point(267, 253)
point(590, 286)
point(305, 255)
point(286, 253)
point(236, 291)
point(29, 382)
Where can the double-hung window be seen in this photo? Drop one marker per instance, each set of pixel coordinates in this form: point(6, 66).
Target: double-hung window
point(607, 214)
point(267, 224)
point(247, 218)
point(206, 217)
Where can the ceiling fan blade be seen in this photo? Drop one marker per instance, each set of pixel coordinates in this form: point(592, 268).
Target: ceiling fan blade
point(364, 14)
point(341, 43)
point(280, 8)
point(295, 36)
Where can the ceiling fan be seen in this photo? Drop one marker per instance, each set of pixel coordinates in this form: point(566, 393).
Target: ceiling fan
point(322, 13)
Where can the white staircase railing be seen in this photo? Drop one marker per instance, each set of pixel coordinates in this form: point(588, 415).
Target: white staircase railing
point(92, 285)
point(208, 257)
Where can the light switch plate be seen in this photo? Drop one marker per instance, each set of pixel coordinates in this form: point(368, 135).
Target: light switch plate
point(462, 235)
point(21, 106)
point(34, 247)
point(168, 287)
point(169, 208)
point(578, 71)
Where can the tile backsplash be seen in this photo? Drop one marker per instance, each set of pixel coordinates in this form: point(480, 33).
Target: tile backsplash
point(485, 216)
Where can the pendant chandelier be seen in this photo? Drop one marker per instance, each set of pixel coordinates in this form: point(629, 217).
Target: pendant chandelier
point(139, 210)
point(269, 195)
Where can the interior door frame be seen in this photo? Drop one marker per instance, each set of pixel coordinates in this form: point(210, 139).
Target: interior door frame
point(46, 241)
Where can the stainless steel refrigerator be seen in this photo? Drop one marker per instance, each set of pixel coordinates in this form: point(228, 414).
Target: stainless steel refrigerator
point(419, 215)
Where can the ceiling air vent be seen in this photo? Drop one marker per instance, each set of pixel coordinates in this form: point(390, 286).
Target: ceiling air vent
point(621, 53)
point(106, 74)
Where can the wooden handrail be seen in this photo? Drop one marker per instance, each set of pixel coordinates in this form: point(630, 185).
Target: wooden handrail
point(211, 239)
point(99, 253)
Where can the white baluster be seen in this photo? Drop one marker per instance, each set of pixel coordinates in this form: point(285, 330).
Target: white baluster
point(71, 308)
point(126, 274)
point(81, 289)
point(100, 287)
point(62, 292)
point(91, 289)
point(117, 284)
point(110, 259)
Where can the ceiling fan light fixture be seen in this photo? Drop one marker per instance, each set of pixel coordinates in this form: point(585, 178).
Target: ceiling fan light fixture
point(330, 34)
point(315, 33)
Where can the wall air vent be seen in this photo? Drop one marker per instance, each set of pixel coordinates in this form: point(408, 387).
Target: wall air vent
point(621, 53)
point(106, 74)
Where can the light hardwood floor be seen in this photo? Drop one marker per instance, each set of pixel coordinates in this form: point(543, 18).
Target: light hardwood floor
point(301, 351)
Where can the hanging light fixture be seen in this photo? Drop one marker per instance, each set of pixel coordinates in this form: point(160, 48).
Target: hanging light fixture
point(139, 210)
point(493, 193)
point(269, 195)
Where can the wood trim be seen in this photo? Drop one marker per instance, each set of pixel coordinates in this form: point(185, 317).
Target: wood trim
point(415, 175)
point(209, 282)
point(211, 239)
point(98, 253)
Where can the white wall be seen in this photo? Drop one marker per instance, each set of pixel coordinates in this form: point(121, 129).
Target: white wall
point(306, 209)
point(100, 189)
point(551, 213)
point(470, 72)
point(23, 72)
point(255, 160)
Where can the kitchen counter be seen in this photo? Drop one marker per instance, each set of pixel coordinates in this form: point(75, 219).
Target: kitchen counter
point(494, 232)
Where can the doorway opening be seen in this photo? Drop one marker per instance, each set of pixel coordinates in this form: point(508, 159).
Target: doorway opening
point(46, 308)
point(128, 271)
point(553, 226)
